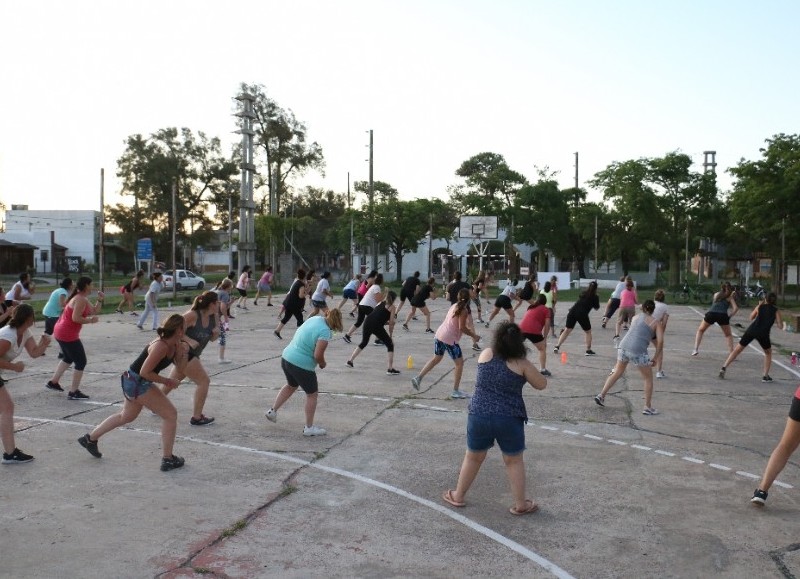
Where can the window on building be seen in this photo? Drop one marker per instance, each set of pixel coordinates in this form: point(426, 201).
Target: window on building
point(44, 256)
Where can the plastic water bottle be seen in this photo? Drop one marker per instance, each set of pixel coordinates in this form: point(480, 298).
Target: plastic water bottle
point(410, 363)
point(794, 358)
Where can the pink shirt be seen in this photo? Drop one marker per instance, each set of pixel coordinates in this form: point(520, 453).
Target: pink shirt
point(449, 332)
point(628, 298)
point(534, 320)
point(67, 330)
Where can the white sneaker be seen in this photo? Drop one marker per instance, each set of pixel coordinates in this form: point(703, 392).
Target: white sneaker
point(272, 415)
point(660, 374)
point(314, 431)
point(224, 361)
point(459, 394)
point(695, 352)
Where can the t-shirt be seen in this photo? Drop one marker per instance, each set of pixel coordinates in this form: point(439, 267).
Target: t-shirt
point(23, 292)
point(155, 289)
point(526, 292)
point(423, 294)
point(534, 319)
point(454, 288)
point(244, 281)
point(410, 285)
point(585, 305)
point(300, 350)
point(9, 335)
point(628, 299)
point(293, 299)
point(351, 285)
point(618, 290)
point(319, 294)
point(661, 310)
point(52, 308)
point(370, 298)
point(549, 297)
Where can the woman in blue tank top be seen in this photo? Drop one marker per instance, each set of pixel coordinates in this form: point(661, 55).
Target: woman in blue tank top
point(497, 413)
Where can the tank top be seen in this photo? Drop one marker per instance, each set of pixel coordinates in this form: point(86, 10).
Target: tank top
point(549, 297)
point(201, 334)
point(136, 367)
point(449, 332)
point(638, 337)
point(24, 293)
point(720, 307)
point(379, 316)
point(764, 319)
point(498, 391)
point(67, 330)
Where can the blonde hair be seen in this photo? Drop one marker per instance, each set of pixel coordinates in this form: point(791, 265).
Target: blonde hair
point(334, 320)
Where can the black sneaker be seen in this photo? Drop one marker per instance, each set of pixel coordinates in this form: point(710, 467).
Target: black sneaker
point(722, 373)
point(545, 372)
point(278, 335)
point(766, 378)
point(378, 342)
point(759, 498)
point(600, 400)
point(352, 315)
point(77, 395)
point(555, 349)
point(90, 445)
point(590, 353)
point(202, 421)
point(57, 387)
point(392, 372)
point(347, 339)
point(16, 457)
point(429, 331)
point(171, 463)
point(349, 363)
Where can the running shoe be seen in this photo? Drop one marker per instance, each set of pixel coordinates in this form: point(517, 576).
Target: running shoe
point(722, 374)
point(486, 325)
point(347, 339)
point(272, 415)
point(476, 347)
point(16, 457)
point(350, 363)
point(429, 331)
point(223, 361)
point(255, 303)
point(458, 394)
point(171, 463)
point(600, 400)
point(759, 498)
point(392, 372)
point(590, 352)
point(649, 411)
point(695, 352)
point(314, 431)
point(77, 395)
point(555, 349)
point(405, 327)
point(90, 445)
point(202, 421)
point(766, 378)
point(378, 342)
point(415, 382)
point(277, 334)
point(545, 372)
point(57, 387)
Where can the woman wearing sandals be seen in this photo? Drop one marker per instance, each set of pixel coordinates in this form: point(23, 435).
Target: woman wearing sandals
point(497, 413)
point(140, 391)
point(201, 327)
point(15, 337)
point(633, 348)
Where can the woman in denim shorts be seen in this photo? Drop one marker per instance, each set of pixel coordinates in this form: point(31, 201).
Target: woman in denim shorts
point(633, 349)
point(140, 391)
point(497, 413)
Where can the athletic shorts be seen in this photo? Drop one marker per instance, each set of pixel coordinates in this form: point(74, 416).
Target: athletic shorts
point(439, 348)
point(534, 338)
point(404, 295)
point(763, 340)
point(321, 304)
point(242, 292)
point(350, 294)
point(635, 359)
point(626, 314)
point(794, 410)
point(508, 431)
point(712, 318)
point(134, 385)
point(264, 287)
point(503, 302)
point(419, 304)
point(582, 319)
point(297, 376)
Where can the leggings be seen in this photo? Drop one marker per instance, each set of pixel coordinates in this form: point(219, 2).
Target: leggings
point(363, 312)
point(380, 333)
point(296, 311)
point(73, 353)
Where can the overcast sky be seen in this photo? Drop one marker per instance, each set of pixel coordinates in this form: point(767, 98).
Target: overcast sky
point(437, 80)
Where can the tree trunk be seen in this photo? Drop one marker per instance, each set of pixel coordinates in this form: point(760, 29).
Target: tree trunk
point(674, 268)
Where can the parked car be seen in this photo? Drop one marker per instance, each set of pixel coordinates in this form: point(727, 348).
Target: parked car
point(186, 280)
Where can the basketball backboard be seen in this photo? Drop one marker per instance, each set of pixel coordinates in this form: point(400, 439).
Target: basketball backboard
point(481, 227)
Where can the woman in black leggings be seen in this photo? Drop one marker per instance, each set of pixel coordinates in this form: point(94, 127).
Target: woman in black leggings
point(384, 313)
point(294, 302)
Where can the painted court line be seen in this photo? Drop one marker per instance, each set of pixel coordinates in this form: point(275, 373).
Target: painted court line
point(694, 460)
point(469, 523)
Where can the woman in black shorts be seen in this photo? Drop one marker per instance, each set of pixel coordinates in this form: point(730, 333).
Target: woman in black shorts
point(780, 456)
point(525, 295)
point(426, 290)
point(764, 316)
point(293, 302)
point(718, 314)
point(503, 302)
point(384, 313)
point(579, 314)
point(127, 293)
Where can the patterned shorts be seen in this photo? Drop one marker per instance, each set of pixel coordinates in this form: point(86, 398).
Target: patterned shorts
point(635, 359)
point(439, 348)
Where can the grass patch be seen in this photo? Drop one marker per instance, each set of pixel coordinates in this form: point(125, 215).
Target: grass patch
point(201, 570)
point(235, 528)
point(288, 490)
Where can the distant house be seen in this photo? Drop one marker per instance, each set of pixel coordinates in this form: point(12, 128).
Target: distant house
point(54, 235)
point(15, 257)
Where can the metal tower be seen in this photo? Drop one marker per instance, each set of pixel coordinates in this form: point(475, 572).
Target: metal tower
point(247, 226)
point(710, 162)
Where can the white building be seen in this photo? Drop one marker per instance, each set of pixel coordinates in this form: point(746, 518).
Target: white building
point(55, 233)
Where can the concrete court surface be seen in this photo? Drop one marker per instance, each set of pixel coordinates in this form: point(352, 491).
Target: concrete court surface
point(621, 494)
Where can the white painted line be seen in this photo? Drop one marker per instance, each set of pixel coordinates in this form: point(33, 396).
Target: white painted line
point(783, 484)
point(640, 447)
point(592, 437)
point(664, 452)
point(618, 442)
point(748, 475)
point(548, 427)
point(694, 460)
point(360, 397)
point(570, 432)
point(719, 466)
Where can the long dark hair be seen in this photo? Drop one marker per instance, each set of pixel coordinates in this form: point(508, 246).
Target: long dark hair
point(21, 314)
point(462, 301)
point(170, 326)
point(590, 291)
point(83, 282)
point(547, 286)
point(204, 300)
point(508, 342)
point(540, 301)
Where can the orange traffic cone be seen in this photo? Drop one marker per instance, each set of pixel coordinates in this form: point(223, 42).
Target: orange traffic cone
point(563, 357)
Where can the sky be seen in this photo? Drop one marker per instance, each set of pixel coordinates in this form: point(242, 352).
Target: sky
point(438, 81)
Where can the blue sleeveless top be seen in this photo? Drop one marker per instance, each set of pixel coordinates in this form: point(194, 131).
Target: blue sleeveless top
point(498, 391)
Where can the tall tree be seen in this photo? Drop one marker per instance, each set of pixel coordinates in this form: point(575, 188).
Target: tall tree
point(402, 225)
point(765, 196)
point(282, 141)
point(541, 215)
point(490, 186)
point(149, 167)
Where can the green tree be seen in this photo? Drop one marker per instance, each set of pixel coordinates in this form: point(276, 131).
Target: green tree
point(489, 189)
point(541, 217)
point(765, 197)
point(149, 167)
point(283, 144)
point(402, 225)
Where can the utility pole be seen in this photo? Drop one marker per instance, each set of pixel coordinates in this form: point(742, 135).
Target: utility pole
point(230, 230)
point(102, 227)
point(373, 245)
point(576, 170)
point(174, 245)
point(352, 245)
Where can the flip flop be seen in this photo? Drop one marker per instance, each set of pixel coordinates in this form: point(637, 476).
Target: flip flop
point(448, 498)
point(530, 508)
